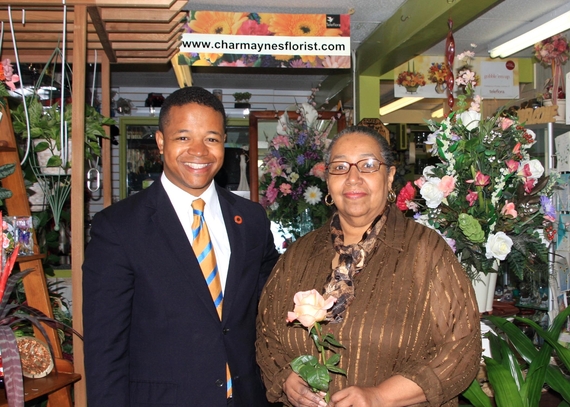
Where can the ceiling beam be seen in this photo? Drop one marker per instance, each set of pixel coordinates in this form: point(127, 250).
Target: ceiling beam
point(135, 27)
point(415, 27)
point(99, 24)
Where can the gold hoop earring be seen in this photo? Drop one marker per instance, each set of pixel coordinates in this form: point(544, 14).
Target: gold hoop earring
point(391, 196)
point(329, 201)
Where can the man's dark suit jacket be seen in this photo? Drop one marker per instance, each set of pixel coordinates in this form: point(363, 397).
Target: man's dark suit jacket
point(152, 334)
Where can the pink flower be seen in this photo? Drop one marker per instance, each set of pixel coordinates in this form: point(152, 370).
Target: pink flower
point(420, 182)
point(271, 193)
point(472, 198)
point(529, 185)
point(336, 61)
point(481, 179)
point(509, 209)
point(406, 194)
point(517, 148)
point(285, 189)
point(512, 165)
point(506, 123)
point(447, 185)
point(318, 170)
point(251, 27)
point(281, 141)
point(310, 307)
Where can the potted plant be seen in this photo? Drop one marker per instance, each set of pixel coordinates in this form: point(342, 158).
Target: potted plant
point(513, 353)
point(45, 130)
point(242, 100)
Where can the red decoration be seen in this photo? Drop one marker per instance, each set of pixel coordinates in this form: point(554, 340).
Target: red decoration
point(449, 57)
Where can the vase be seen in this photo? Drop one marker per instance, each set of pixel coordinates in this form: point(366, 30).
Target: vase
point(44, 156)
point(412, 89)
point(440, 87)
point(484, 287)
point(305, 222)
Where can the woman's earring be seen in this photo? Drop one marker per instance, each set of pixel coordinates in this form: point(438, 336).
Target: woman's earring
point(391, 196)
point(329, 201)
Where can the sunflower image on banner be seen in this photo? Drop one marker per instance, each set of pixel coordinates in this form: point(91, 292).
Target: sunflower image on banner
point(268, 40)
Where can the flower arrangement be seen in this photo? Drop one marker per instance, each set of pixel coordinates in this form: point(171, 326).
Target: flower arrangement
point(7, 79)
point(292, 175)
point(465, 71)
point(553, 50)
point(410, 79)
point(437, 72)
point(310, 309)
point(487, 197)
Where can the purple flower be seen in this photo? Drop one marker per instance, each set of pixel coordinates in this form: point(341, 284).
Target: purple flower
point(547, 208)
point(300, 159)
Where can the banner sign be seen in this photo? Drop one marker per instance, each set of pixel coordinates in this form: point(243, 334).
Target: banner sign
point(268, 40)
point(424, 76)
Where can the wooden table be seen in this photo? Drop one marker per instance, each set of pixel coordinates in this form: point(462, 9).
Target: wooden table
point(34, 388)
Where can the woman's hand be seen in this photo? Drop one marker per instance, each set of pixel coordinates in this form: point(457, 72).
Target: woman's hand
point(299, 393)
point(357, 397)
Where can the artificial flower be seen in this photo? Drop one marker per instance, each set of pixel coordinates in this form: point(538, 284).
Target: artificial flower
point(500, 197)
point(296, 158)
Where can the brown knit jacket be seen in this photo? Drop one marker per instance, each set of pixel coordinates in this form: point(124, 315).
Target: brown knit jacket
point(414, 314)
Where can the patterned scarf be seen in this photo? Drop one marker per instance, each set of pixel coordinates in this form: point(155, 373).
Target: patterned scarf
point(352, 260)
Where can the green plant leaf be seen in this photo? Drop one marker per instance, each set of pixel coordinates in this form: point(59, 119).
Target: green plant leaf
point(299, 362)
point(506, 391)
point(476, 395)
point(317, 377)
point(329, 338)
point(558, 382)
point(333, 360)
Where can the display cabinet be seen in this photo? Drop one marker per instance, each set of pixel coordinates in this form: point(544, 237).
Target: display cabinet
point(140, 162)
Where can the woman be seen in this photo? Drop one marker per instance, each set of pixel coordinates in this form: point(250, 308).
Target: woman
point(406, 311)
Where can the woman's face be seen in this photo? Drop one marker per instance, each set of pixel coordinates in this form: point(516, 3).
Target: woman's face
point(359, 197)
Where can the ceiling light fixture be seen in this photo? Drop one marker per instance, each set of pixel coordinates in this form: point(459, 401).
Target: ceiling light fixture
point(398, 104)
point(543, 27)
point(436, 114)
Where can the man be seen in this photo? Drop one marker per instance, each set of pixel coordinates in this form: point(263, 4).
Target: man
point(153, 335)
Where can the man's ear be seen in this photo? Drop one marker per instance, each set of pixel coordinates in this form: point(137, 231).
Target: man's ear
point(159, 137)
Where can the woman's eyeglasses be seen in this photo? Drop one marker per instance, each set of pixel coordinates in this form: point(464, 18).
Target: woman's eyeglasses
point(364, 166)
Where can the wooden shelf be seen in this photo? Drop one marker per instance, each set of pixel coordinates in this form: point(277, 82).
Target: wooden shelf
point(34, 388)
point(23, 259)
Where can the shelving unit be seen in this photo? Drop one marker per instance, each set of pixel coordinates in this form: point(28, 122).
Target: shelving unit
point(57, 385)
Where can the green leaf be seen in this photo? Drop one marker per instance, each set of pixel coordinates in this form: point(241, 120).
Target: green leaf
point(41, 146)
point(331, 339)
point(54, 161)
point(476, 395)
point(558, 382)
point(317, 377)
point(336, 369)
point(333, 360)
point(299, 362)
point(506, 391)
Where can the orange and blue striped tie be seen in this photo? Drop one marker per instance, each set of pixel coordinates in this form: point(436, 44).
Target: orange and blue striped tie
point(205, 254)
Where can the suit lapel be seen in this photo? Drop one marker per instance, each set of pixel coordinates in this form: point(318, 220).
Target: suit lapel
point(175, 244)
point(237, 238)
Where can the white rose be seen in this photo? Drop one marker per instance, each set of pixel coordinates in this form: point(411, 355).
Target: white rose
point(470, 119)
point(535, 167)
point(431, 193)
point(310, 114)
point(498, 246)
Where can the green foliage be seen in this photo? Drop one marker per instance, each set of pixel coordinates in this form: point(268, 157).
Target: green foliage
point(6, 170)
point(505, 372)
point(242, 96)
point(45, 127)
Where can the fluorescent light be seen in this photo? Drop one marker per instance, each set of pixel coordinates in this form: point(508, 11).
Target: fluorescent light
point(398, 104)
point(543, 27)
point(437, 113)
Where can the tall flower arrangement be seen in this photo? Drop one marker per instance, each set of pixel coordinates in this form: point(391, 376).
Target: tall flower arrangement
point(292, 175)
point(7, 80)
point(487, 197)
point(553, 52)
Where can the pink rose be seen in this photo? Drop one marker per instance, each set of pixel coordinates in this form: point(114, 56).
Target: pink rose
point(509, 209)
point(447, 185)
point(310, 307)
point(512, 165)
point(471, 198)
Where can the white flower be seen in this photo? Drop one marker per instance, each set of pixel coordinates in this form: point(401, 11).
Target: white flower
point(498, 246)
point(274, 206)
point(534, 166)
point(283, 124)
point(431, 193)
point(313, 195)
point(293, 177)
point(533, 135)
point(310, 114)
point(428, 171)
point(470, 119)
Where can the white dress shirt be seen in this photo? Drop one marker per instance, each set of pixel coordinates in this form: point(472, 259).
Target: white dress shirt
point(182, 202)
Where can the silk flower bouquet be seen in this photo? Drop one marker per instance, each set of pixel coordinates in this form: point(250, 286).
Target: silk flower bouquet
point(311, 309)
point(487, 197)
point(292, 175)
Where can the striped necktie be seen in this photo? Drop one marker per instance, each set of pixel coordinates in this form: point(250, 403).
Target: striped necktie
point(205, 254)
